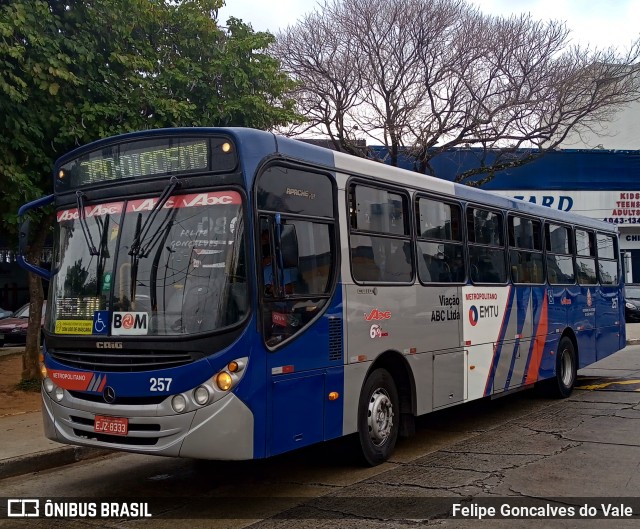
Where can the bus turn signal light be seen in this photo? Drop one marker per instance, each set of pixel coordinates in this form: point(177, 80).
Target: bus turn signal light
point(224, 381)
point(235, 366)
point(334, 395)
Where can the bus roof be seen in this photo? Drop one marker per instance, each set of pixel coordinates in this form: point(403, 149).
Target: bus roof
point(256, 145)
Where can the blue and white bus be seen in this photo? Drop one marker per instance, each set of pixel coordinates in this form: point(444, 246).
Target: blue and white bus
point(232, 294)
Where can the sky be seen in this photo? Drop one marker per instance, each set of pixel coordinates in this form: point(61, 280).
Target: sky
point(598, 23)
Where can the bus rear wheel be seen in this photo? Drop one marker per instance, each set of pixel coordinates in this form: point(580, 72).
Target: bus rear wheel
point(378, 417)
point(566, 369)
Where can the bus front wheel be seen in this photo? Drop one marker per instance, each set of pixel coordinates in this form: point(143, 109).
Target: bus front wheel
point(566, 369)
point(378, 417)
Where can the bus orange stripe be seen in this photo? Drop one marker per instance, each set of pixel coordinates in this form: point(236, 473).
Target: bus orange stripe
point(538, 347)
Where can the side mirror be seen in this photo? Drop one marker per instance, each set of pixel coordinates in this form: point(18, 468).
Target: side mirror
point(23, 236)
point(23, 240)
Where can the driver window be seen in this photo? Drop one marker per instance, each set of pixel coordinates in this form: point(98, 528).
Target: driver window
point(296, 256)
point(294, 290)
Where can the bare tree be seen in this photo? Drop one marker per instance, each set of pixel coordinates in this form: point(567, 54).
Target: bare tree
point(427, 76)
point(328, 69)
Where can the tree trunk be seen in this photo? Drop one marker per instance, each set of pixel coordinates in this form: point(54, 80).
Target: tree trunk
point(31, 356)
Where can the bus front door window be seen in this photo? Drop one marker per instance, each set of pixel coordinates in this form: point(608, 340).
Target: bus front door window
point(289, 273)
point(295, 283)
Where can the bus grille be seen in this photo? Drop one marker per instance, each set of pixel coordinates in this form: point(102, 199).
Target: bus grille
point(335, 339)
point(138, 433)
point(129, 401)
point(123, 360)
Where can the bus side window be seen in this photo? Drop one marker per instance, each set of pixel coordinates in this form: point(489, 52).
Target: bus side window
point(363, 263)
point(486, 246)
point(380, 238)
point(525, 250)
point(608, 269)
point(439, 245)
point(559, 244)
point(399, 264)
point(306, 273)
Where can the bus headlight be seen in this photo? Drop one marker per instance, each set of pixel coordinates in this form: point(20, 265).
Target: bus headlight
point(224, 381)
point(59, 394)
point(201, 395)
point(178, 403)
point(48, 385)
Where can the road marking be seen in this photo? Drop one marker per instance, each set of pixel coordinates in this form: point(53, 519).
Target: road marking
point(608, 384)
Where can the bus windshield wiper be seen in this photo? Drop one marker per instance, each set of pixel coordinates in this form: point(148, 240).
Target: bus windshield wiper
point(80, 196)
point(141, 234)
point(163, 228)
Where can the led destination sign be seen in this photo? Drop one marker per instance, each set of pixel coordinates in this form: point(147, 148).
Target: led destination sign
point(147, 158)
point(148, 163)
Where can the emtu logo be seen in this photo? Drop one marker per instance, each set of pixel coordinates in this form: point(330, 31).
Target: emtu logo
point(473, 316)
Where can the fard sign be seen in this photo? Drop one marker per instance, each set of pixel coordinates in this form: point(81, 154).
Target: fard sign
point(617, 207)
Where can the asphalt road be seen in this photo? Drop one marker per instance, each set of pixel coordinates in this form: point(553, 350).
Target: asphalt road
point(568, 452)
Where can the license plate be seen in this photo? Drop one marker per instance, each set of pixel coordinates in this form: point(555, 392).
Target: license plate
point(111, 425)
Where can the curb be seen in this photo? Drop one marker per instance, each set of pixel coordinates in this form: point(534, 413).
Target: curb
point(633, 341)
point(57, 457)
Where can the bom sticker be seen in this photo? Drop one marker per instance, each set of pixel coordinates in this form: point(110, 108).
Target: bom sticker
point(130, 324)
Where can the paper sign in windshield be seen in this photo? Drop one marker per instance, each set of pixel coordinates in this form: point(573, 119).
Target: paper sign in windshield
point(73, 327)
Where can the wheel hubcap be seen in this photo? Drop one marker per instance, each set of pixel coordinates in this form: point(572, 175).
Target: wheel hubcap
point(380, 417)
point(566, 367)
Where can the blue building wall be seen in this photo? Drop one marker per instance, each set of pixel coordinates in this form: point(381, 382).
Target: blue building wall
point(590, 170)
point(602, 184)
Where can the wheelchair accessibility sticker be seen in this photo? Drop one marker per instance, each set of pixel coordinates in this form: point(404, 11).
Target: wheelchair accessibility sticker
point(101, 322)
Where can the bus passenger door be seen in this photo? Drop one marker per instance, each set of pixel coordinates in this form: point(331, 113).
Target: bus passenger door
point(583, 318)
point(610, 301)
point(557, 302)
point(608, 320)
point(302, 375)
point(302, 332)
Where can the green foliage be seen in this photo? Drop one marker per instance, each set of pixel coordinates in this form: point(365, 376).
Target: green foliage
point(77, 70)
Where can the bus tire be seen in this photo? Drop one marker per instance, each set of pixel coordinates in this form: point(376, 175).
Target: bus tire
point(566, 369)
point(378, 417)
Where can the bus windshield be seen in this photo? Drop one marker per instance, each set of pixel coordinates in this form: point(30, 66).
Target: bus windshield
point(155, 269)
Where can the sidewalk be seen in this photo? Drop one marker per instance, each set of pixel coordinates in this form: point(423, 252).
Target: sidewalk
point(25, 449)
point(633, 333)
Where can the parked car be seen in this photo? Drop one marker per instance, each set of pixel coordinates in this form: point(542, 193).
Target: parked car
point(4, 313)
point(632, 303)
point(13, 330)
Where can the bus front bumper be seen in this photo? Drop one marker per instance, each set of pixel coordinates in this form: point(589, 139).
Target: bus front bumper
point(222, 430)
